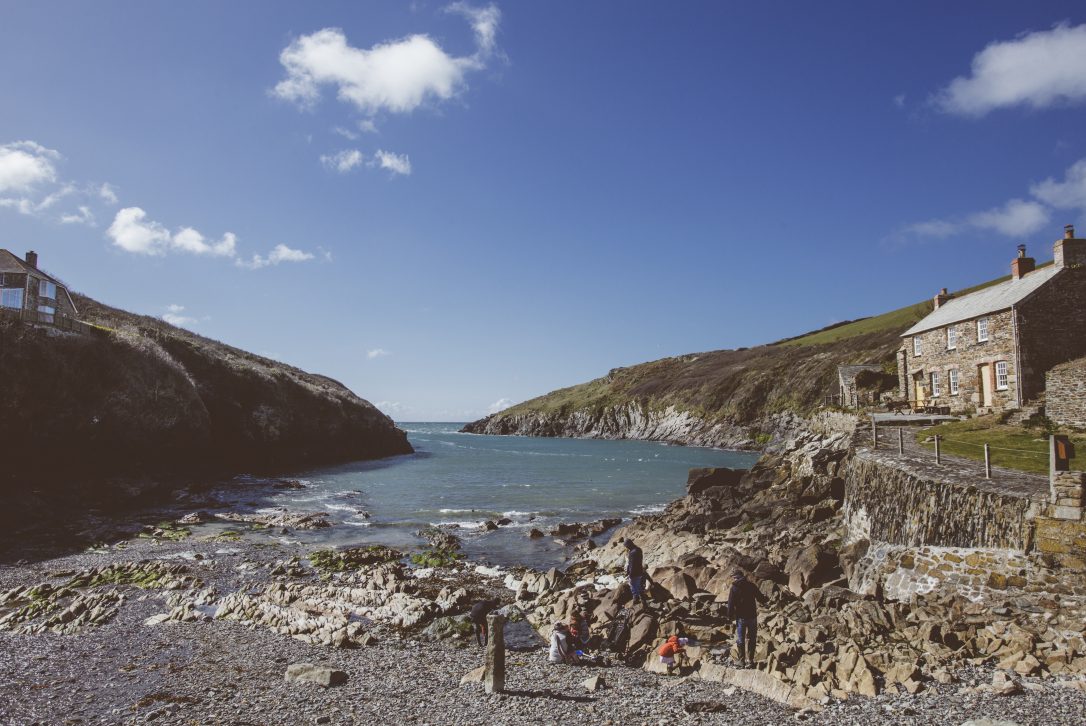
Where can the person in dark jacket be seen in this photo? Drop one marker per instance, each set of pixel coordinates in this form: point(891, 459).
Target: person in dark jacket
point(635, 570)
point(743, 602)
point(479, 611)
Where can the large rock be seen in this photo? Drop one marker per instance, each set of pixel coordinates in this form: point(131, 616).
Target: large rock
point(309, 673)
point(758, 682)
point(699, 480)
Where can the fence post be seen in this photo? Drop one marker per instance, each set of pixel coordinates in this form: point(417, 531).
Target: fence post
point(874, 433)
point(938, 454)
point(987, 462)
point(901, 442)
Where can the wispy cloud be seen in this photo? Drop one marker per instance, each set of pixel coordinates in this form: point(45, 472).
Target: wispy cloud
point(377, 353)
point(108, 194)
point(342, 161)
point(396, 163)
point(280, 253)
point(391, 408)
point(83, 215)
point(174, 316)
point(345, 133)
point(500, 405)
point(31, 184)
point(396, 76)
point(1038, 70)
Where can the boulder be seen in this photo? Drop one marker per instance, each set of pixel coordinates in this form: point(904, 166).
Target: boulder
point(594, 683)
point(701, 479)
point(475, 675)
point(309, 673)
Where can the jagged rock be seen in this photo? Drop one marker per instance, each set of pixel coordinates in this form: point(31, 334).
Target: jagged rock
point(281, 518)
point(309, 673)
point(475, 675)
point(698, 481)
point(288, 484)
point(490, 525)
point(534, 533)
point(594, 683)
point(199, 517)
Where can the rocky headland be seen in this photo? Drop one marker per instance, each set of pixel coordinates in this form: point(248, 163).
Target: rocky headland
point(865, 623)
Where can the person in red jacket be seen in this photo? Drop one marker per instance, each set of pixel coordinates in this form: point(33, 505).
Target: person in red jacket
point(670, 651)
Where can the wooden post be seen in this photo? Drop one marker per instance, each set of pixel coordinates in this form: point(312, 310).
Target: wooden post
point(938, 454)
point(987, 462)
point(874, 433)
point(901, 442)
point(494, 675)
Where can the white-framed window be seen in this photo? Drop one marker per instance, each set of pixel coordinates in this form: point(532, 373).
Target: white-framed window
point(46, 313)
point(1001, 375)
point(47, 289)
point(11, 297)
point(982, 330)
point(952, 379)
point(916, 345)
point(951, 337)
point(935, 385)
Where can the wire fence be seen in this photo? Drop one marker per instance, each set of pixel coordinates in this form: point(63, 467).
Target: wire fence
point(994, 462)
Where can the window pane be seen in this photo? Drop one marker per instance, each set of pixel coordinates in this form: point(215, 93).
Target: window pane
point(952, 376)
point(935, 384)
point(982, 330)
point(1001, 374)
point(11, 298)
point(916, 345)
point(45, 313)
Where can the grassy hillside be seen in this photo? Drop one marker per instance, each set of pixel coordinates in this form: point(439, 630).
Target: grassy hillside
point(744, 385)
point(143, 398)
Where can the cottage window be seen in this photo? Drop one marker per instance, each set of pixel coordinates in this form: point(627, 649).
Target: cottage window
point(1001, 375)
point(916, 345)
point(47, 289)
point(952, 377)
point(12, 298)
point(935, 390)
point(951, 338)
point(46, 313)
point(982, 330)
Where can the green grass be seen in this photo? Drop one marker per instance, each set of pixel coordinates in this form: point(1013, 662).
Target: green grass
point(1012, 447)
point(437, 558)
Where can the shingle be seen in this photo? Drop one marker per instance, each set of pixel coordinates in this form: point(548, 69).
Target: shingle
point(982, 302)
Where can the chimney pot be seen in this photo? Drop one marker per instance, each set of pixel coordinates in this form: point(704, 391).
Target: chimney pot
point(1022, 265)
point(1021, 250)
point(32, 259)
point(1068, 231)
point(940, 299)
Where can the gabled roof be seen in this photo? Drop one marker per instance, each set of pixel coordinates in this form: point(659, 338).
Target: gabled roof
point(982, 302)
point(10, 262)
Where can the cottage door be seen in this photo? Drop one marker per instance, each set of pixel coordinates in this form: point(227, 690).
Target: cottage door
point(919, 390)
point(985, 375)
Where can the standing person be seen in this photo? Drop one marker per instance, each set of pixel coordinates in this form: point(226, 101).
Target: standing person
point(743, 608)
point(479, 611)
point(635, 570)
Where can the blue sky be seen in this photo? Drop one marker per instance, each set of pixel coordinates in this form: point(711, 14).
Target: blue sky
point(454, 207)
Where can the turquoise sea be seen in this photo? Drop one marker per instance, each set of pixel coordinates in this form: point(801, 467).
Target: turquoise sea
point(466, 479)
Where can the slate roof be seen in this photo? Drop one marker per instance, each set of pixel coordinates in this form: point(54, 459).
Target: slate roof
point(10, 262)
point(982, 302)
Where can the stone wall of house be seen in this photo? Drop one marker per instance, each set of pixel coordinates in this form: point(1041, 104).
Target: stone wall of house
point(1052, 328)
point(886, 503)
point(60, 303)
point(967, 357)
point(1065, 394)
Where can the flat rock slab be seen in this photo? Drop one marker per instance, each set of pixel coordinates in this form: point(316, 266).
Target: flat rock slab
point(758, 682)
point(473, 676)
point(309, 673)
point(594, 683)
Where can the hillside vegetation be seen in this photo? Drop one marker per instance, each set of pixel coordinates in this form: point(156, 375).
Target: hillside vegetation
point(143, 398)
point(735, 387)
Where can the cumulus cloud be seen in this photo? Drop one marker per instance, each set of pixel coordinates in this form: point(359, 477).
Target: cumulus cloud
point(174, 316)
point(82, 216)
point(26, 164)
point(1016, 218)
point(500, 405)
point(280, 253)
point(396, 76)
point(1039, 70)
point(133, 232)
point(342, 161)
point(1070, 193)
point(396, 163)
point(377, 353)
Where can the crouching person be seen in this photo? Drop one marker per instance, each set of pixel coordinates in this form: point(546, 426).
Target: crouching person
point(561, 645)
point(671, 652)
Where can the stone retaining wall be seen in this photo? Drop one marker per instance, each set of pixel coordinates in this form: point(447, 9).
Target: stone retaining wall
point(1065, 394)
point(884, 503)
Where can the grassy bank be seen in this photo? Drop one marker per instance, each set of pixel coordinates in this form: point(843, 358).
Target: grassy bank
point(1014, 447)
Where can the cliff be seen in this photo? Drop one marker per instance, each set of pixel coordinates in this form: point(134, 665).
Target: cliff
point(741, 398)
point(143, 400)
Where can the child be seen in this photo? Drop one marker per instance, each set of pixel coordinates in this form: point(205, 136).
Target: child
point(670, 650)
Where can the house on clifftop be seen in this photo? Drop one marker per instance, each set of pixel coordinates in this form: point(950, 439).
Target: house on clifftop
point(30, 294)
point(989, 350)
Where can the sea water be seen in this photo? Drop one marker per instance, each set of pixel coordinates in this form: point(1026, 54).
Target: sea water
point(467, 479)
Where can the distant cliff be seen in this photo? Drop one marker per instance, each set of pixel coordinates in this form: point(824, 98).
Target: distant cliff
point(145, 399)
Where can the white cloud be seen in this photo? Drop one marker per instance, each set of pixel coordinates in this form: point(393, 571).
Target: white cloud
point(1067, 194)
point(396, 163)
point(500, 405)
point(173, 316)
point(84, 216)
point(279, 253)
point(367, 126)
point(377, 353)
point(1016, 218)
point(107, 193)
point(390, 408)
point(133, 232)
point(345, 133)
point(1040, 69)
point(397, 76)
point(899, 100)
point(26, 164)
point(342, 161)
point(188, 239)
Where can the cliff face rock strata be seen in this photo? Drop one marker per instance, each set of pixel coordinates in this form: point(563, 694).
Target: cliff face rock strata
point(143, 399)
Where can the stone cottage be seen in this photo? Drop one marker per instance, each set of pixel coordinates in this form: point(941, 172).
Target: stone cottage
point(849, 394)
point(34, 295)
point(989, 350)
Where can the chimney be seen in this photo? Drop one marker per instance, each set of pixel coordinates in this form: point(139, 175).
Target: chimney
point(1069, 251)
point(1022, 265)
point(32, 259)
point(941, 299)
